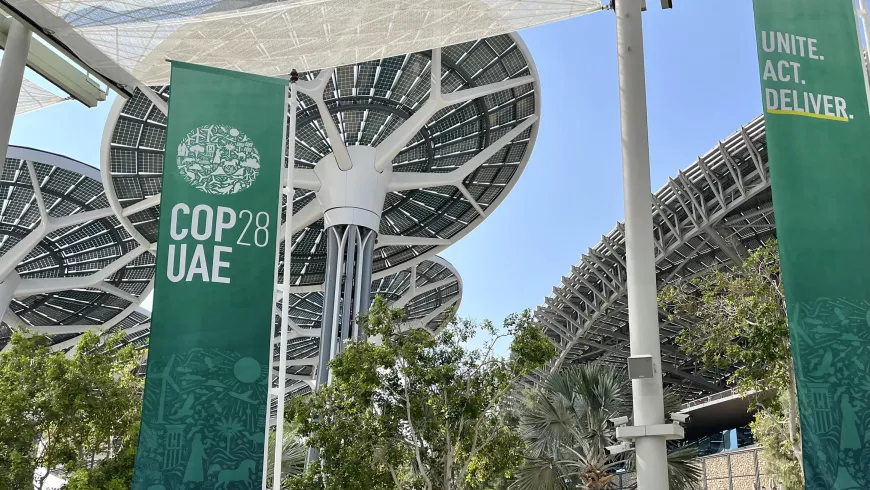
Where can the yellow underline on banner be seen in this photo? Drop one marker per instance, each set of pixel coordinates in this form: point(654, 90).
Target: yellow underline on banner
point(807, 114)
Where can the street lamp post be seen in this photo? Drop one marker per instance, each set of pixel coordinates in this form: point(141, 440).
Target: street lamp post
point(651, 451)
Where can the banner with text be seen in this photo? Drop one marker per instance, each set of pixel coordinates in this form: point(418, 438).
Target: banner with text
point(818, 139)
point(207, 382)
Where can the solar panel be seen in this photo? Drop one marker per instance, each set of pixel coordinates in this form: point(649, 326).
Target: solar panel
point(55, 276)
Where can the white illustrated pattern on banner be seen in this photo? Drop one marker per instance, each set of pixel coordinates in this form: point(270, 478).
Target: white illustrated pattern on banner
point(218, 160)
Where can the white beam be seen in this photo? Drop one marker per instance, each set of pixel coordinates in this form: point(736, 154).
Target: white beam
point(476, 92)
point(37, 191)
point(58, 70)
point(154, 97)
point(305, 178)
point(396, 141)
point(310, 213)
point(403, 181)
point(7, 290)
point(392, 145)
point(422, 323)
point(29, 287)
point(311, 361)
point(393, 240)
point(79, 218)
point(148, 202)
point(411, 294)
point(10, 260)
point(315, 91)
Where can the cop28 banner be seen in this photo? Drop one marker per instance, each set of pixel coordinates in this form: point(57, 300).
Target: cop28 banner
point(818, 138)
point(207, 382)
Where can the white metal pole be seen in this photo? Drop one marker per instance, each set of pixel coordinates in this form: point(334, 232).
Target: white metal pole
point(285, 293)
point(11, 76)
point(269, 405)
point(652, 470)
point(7, 291)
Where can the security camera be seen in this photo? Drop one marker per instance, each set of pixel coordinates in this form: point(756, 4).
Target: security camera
point(681, 418)
point(619, 421)
point(619, 448)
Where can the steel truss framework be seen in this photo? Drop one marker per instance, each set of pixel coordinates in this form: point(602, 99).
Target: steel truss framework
point(454, 157)
point(704, 219)
point(427, 291)
point(67, 265)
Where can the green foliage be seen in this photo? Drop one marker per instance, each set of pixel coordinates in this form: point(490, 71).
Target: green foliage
point(779, 456)
point(566, 429)
point(417, 410)
point(738, 319)
point(75, 414)
point(293, 452)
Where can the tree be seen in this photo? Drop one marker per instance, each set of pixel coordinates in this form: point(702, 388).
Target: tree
point(738, 320)
point(419, 411)
point(293, 453)
point(566, 427)
point(72, 414)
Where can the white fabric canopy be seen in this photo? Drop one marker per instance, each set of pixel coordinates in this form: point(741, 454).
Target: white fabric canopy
point(271, 37)
point(33, 97)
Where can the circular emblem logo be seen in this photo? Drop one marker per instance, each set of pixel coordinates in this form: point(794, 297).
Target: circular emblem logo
point(218, 160)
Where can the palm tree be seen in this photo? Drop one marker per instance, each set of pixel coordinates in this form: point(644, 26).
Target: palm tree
point(229, 428)
point(566, 429)
point(293, 454)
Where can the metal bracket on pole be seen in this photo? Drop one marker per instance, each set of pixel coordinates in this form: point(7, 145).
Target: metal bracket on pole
point(671, 432)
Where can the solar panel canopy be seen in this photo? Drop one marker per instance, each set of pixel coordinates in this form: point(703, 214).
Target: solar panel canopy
point(274, 37)
point(83, 272)
point(367, 102)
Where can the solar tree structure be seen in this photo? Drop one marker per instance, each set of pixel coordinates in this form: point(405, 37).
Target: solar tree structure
point(704, 219)
point(428, 292)
point(66, 264)
point(395, 160)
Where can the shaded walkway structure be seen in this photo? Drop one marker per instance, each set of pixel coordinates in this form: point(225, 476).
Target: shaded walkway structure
point(705, 218)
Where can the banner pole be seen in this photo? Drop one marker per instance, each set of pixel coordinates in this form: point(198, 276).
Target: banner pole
point(271, 394)
point(285, 292)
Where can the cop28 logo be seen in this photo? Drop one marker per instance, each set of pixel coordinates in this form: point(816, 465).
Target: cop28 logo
point(218, 160)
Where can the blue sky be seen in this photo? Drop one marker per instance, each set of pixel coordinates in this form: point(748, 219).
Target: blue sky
point(702, 81)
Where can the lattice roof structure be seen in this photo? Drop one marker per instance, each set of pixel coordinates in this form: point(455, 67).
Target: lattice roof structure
point(437, 290)
point(492, 125)
point(126, 43)
point(704, 219)
point(65, 260)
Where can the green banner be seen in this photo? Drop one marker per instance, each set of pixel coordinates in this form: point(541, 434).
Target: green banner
point(207, 382)
point(818, 138)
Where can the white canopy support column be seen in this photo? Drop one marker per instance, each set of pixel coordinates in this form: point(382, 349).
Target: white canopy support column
point(11, 78)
